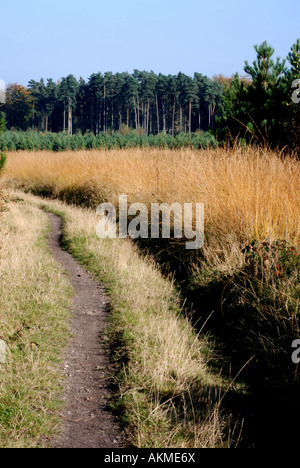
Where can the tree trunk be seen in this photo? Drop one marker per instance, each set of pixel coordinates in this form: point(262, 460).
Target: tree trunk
point(143, 118)
point(190, 117)
point(64, 124)
point(70, 118)
point(213, 109)
point(157, 113)
point(99, 118)
point(180, 119)
point(135, 114)
point(199, 119)
point(173, 116)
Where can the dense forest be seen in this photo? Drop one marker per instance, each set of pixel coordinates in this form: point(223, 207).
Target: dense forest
point(257, 106)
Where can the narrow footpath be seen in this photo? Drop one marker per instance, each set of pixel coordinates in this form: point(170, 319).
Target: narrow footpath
point(87, 419)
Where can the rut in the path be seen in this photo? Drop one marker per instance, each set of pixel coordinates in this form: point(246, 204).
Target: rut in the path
point(87, 420)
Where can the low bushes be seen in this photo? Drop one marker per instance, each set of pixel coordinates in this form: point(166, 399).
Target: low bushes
point(37, 141)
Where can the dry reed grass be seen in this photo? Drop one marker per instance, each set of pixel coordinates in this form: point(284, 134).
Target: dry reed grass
point(248, 193)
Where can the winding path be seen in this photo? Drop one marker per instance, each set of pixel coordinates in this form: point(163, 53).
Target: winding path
point(87, 419)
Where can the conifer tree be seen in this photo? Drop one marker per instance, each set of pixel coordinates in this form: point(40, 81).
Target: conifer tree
point(291, 117)
point(2, 122)
point(294, 59)
point(2, 128)
point(67, 94)
point(266, 93)
point(2, 161)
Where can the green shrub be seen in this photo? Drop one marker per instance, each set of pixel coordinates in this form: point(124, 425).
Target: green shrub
point(2, 161)
point(39, 141)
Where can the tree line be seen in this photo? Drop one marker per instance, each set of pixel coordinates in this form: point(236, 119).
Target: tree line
point(143, 100)
point(257, 106)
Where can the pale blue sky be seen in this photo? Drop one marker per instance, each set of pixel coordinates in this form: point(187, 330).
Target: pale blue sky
point(54, 38)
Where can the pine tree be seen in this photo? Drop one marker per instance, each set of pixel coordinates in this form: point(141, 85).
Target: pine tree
point(2, 128)
point(191, 92)
point(291, 116)
point(2, 155)
point(202, 83)
point(95, 94)
point(18, 106)
point(294, 59)
point(43, 102)
point(2, 122)
point(234, 109)
point(265, 95)
point(67, 94)
point(162, 101)
point(264, 71)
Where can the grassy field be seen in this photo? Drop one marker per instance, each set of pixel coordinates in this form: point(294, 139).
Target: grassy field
point(248, 193)
point(243, 286)
point(34, 304)
point(167, 395)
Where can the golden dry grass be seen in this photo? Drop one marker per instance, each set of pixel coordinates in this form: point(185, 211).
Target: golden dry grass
point(170, 396)
point(249, 192)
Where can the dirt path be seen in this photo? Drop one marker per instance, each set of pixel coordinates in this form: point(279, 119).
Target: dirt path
point(87, 420)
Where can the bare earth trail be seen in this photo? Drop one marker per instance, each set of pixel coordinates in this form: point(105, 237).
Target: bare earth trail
point(87, 420)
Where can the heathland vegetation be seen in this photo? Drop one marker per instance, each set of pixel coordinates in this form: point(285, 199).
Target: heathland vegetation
point(201, 340)
point(243, 286)
point(34, 325)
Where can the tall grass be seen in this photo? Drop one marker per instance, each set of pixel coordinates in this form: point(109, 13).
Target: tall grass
point(248, 193)
point(247, 273)
point(2, 161)
point(168, 396)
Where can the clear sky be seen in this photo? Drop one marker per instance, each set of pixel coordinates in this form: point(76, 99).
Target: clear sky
point(54, 38)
